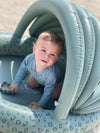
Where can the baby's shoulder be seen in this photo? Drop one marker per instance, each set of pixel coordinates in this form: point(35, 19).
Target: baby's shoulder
point(29, 57)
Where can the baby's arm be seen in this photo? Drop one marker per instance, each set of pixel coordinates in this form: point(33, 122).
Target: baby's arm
point(47, 95)
point(21, 74)
point(13, 87)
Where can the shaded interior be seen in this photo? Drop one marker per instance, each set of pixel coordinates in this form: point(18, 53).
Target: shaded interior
point(9, 64)
point(24, 96)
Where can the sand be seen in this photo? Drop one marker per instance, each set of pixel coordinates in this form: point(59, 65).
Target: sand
point(11, 12)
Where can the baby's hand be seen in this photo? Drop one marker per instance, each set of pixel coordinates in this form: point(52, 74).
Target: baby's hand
point(13, 87)
point(34, 105)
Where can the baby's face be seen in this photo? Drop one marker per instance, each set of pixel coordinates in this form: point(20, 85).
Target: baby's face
point(46, 54)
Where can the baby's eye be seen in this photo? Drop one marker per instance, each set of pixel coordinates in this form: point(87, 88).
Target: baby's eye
point(52, 55)
point(43, 50)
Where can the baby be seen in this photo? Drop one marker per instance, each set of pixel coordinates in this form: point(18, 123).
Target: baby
point(43, 67)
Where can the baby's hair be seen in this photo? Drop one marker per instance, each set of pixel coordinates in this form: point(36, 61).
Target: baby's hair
point(51, 36)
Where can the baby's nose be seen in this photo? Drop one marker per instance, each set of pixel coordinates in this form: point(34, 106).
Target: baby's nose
point(47, 55)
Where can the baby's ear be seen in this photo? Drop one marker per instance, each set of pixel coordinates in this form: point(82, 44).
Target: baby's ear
point(34, 48)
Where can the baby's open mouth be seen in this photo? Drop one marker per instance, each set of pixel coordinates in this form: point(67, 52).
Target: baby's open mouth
point(44, 61)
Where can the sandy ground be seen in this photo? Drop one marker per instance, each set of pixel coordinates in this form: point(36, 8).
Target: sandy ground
point(11, 12)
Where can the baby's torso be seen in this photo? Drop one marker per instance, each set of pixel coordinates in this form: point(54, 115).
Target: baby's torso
point(50, 74)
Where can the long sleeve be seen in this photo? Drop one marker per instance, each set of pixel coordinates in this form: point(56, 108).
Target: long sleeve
point(50, 84)
point(51, 76)
point(21, 74)
point(47, 95)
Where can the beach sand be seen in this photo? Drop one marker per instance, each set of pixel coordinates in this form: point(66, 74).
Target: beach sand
point(11, 11)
